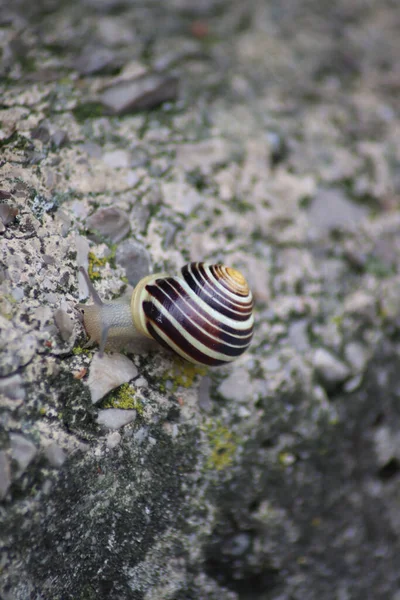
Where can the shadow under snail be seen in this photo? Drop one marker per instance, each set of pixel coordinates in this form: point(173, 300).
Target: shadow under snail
point(205, 315)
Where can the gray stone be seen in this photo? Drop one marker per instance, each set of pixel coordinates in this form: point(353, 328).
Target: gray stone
point(115, 418)
point(236, 386)
point(64, 323)
point(23, 451)
point(12, 387)
point(116, 159)
point(5, 475)
point(95, 60)
point(113, 440)
point(329, 368)
point(135, 259)
point(331, 209)
point(55, 455)
point(142, 93)
point(108, 372)
point(110, 223)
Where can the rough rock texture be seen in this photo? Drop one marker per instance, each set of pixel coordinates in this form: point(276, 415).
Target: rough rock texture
point(277, 477)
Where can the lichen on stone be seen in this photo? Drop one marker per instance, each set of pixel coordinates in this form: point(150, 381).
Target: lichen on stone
point(223, 445)
point(124, 397)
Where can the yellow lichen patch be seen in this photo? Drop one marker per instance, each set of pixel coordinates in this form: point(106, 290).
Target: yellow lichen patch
point(79, 350)
point(223, 446)
point(182, 374)
point(95, 265)
point(124, 397)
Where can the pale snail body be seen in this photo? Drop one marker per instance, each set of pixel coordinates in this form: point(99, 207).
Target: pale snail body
point(205, 315)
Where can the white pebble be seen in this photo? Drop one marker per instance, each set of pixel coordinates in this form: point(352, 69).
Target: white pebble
point(114, 418)
point(108, 372)
point(113, 439)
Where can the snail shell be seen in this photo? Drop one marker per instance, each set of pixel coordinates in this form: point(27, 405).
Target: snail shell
point(205, 315)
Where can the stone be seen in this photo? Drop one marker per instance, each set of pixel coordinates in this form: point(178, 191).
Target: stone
point(117, 159)
point(331, 209)
point(330, 369)
point(115, 418)
point(55, 455)
point(5, 474)
point(64, 323)
point(110, 223)
point(12, 387)
point(95, 60)
point(113, 440)
point(236, 386)
point(142, 93)
point(23, 451)
point(135, 259)
point(108, 372)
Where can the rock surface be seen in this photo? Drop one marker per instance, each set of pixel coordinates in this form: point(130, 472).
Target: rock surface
point(277, 477)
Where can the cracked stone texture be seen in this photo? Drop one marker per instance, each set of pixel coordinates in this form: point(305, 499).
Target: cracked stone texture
point(277, 150)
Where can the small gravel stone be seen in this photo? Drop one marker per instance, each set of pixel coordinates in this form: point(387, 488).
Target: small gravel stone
point(12, 387)
point(64, 323)
point(298, 335)
point(59, 138)
point(205, 402)
point(5, 476)
point(117, 159)
point(330, 369)
point(108, 372)
point(236, 386)
point(23, 451)
point(110, 223)
point(95, 60)
point(135, 259)
point(55, 455)
point(142, 93)
point(356, 356)
point(331, 209)
point(115, 418)
point(113, 439)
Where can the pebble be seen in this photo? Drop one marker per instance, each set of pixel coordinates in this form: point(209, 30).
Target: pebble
point(135, 259)
point(23, 451)
point(331, 210)
point(330, 369)
point(205, 402)
point(117, 159)
point(64, 323)
point(113, 439)
point(5, 475)
point(298, 335)
point(115, 418)
point(12, 387)
point(59, 138)
point(95, 61)
point(357, 356)
point(55, 455)
point(108, 372)
point(236, 386)
point(142, 93)
point(111, 223)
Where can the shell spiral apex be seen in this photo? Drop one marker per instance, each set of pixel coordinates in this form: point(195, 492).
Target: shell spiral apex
point(205, 315)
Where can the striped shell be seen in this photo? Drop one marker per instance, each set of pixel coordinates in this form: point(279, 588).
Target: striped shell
point(205, 316)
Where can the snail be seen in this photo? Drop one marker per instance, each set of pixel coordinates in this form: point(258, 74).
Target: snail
point(205, 315)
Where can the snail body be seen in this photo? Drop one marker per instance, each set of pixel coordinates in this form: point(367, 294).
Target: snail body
point(205, 315)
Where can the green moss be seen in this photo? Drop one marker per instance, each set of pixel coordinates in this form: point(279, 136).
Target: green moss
point(90, 110)
point(223, 445)
point(183, 374)
point(124, 397)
